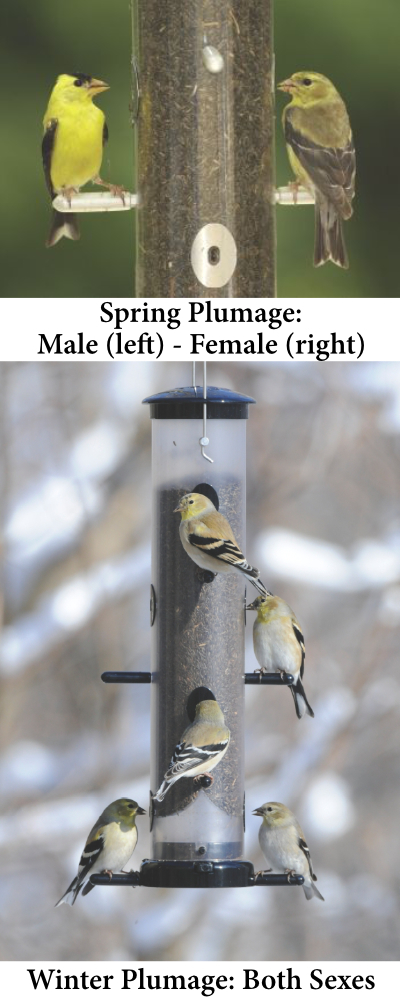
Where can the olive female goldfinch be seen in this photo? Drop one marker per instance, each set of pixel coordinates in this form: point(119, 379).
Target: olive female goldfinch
point(75, 131)
point(321, 153)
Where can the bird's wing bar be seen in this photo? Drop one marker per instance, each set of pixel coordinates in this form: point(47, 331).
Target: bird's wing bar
point(220, 548)
point(186, 757)
point(331, 169)
point(89, 855)
point(300, 639)
point(304, 848)
point(47, 149)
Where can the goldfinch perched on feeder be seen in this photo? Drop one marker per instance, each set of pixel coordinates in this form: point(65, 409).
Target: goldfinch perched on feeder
point(282, 842)
point(279, 645)
point(75, 132)
point(109, 846)
point(208, 539)
point(321, 153)
point(203, 743)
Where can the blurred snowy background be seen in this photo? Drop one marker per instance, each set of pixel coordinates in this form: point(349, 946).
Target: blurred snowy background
point(323, 525)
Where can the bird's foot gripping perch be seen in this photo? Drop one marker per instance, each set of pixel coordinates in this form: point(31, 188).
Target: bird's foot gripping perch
point(116, 189)
point(295, 188)
point(68, 192)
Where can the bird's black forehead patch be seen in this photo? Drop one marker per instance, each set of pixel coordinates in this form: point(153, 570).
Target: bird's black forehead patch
point(83, 77)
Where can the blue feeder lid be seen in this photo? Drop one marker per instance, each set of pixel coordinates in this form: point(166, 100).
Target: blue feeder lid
point(187, 404)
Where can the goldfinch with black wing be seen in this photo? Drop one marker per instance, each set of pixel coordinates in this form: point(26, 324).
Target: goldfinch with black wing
point(203, 743)
point(283, 843)
point(75, 132)
point(321, 152)
point(208, 539)
point(110, 844)
point(279, 645)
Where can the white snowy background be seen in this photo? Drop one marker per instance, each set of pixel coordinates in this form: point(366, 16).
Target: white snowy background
point(323, 525)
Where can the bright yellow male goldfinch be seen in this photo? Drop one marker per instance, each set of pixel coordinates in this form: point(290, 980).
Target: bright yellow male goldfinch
point(321, 152)
point(75, 131)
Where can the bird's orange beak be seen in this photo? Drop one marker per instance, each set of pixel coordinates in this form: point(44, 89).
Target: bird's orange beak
point(286, 85)
point(97, 86)
point(178, 509)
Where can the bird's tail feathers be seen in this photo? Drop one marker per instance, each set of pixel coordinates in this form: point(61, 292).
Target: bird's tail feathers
point(250, 571)
point(162, 791)
point(311, 890)
point(329, 241)
point(71, 893)
point(301, 703)
point(62, 224)
point(252, 574)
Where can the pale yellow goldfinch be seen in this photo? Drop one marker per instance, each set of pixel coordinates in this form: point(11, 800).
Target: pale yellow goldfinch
point(279, 645)
point(110, 844)
point(208, 539)
point(202, 745)
point(321, 152)
point(75, 131)
point(282, 842)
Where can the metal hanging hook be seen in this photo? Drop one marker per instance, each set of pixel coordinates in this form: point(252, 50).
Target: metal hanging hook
point(204, 441)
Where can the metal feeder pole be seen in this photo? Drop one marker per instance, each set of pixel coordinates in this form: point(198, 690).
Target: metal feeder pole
point(205, 135)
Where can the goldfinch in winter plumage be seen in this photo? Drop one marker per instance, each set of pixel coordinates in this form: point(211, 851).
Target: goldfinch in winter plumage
point(208, 539)
point(203, 743)
point(282, 842)
point(110, 844)
point(321, 152)
point(75, 132)
point(279, 645)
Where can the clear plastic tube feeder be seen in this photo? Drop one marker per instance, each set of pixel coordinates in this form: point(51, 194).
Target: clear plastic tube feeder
point(197, 638)
point(197, 625)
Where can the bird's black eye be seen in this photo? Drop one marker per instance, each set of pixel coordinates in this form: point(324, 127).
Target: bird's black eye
point(269, 809)
point(191, 501)
point(78, 83)
point(131, 805)
point(307, 82)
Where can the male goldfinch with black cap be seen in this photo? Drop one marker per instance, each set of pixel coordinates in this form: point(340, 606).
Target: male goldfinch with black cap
point(75, 132)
